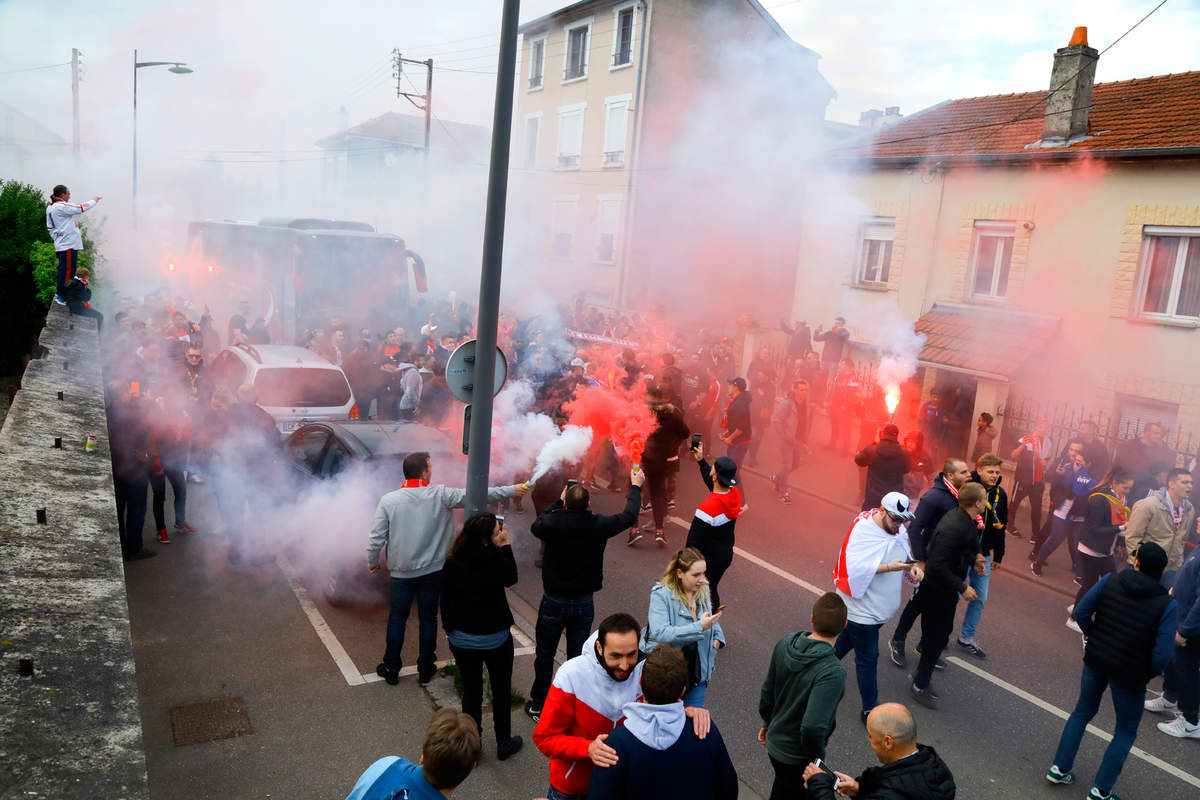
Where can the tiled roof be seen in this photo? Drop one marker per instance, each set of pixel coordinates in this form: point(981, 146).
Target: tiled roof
point(1162, 111)
point(953, 339)
point(409, 130)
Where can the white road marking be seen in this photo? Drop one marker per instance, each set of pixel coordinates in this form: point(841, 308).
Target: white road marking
point(324, 633)
point(1153, 760)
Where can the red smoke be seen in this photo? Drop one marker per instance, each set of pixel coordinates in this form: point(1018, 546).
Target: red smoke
point(615, 414)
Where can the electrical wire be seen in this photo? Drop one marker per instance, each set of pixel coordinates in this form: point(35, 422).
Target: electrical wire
point(35, 69)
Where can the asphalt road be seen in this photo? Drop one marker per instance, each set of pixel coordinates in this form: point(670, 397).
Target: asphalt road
point(204, 630)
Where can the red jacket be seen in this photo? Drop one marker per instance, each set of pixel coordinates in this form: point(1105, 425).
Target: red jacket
point(583, 703)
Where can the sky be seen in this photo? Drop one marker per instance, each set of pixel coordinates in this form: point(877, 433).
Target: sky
point(271, 75)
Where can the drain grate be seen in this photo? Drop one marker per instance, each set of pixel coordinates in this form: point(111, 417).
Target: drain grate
point(208, 722)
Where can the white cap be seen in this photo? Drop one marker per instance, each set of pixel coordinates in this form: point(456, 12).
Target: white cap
point(577, 362)
point(896, 504)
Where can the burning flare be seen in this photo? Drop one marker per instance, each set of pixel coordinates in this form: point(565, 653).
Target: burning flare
point(892, 398)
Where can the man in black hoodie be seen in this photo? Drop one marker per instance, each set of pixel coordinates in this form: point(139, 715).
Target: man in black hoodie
point(941, 498)
point(909, 770)
point(735, 423)
point(887, 463)
point(661, 457)
point(572, 571)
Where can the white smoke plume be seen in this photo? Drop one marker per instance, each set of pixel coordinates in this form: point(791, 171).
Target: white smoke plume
point(569, 446)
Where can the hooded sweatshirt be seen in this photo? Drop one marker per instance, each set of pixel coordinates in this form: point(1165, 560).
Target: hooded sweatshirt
point(715, 517)
point(799, 699)
point(416, 524)
point(583, 702)
point(659, 755)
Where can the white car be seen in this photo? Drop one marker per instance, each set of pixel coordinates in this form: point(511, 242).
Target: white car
point(295, 385)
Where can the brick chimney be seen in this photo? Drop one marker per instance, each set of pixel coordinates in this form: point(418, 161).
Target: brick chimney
point(1075, 72)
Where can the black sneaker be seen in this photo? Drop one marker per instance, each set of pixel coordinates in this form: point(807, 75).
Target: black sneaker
point(532, 712)
point(972, 648)
point(1035, 569)
point(939, 664)
point(924, 696)
point(392, 676)
point(508, 747)
point(896, 651)
point(863, 717)
point(425, 677)
point(634, 536)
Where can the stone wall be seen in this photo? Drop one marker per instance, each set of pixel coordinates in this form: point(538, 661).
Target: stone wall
point(71, 728)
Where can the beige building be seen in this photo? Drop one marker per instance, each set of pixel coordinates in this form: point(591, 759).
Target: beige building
point(622, 123)
point(1050, 253)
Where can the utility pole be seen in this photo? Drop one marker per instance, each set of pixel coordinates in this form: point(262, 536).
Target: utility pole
point(426, 104)
point(75, 101)
point(493, 253)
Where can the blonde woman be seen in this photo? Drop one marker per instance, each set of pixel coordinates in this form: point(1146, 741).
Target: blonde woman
point(681, 614)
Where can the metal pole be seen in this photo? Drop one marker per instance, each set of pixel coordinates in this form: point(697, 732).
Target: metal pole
point(75, 101)
point(428, 102)
point(134, 195)
point(489, 279)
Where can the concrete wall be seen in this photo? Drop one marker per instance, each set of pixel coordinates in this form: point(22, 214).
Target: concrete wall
point(72, 728)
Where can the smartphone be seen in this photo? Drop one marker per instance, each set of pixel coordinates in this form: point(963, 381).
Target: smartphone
point(695, 440)
point(720, 608)
point(572, 482)
point(910, 561)
point(821, 765)
point(500, 519)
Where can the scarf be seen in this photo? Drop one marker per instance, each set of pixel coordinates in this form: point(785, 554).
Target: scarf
point(413, 483)
point(954, 491)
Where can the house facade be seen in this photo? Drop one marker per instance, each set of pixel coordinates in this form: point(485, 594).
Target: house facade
point(1047, 245)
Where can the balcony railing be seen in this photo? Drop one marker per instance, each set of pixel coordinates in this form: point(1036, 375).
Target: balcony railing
point(568, 162)
point(574, 71)
point(614, 158)
point(623, 56)
point(535, 81)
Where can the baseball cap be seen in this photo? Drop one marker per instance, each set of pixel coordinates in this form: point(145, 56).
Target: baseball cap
point(896, 504)
point(726, 470)
point(891, 430)
point(739, 383)
point(576, 362)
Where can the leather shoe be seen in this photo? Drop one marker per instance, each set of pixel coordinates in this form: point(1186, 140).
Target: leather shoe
point(392, 676)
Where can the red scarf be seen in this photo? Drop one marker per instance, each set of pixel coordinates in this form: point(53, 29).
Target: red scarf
point(414, 483)
point(954, 491)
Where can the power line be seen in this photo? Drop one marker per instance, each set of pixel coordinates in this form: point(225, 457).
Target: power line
point(35, 69)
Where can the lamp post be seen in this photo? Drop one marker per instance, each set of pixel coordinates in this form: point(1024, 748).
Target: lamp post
point(179, 68)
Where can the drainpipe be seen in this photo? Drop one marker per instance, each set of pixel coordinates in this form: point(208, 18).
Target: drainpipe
point(633, 150)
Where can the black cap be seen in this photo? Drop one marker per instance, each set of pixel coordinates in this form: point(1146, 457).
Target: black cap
point(740, 383)
point(1152, 559)
point(891, 430)
point(726, 470)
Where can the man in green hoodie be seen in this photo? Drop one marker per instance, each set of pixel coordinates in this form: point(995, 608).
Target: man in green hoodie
point(799, 700)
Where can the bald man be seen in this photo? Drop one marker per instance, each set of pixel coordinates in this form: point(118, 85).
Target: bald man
point(892, 734)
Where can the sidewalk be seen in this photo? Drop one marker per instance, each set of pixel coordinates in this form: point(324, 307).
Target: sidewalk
point(836, 479)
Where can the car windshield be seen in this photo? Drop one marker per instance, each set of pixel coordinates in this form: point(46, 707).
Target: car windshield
point(307, 387)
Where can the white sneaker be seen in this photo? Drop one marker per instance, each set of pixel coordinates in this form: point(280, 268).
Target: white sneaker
point(1180, 728)
point(1161, 705)
point(1073, 625)
point(1071, 608)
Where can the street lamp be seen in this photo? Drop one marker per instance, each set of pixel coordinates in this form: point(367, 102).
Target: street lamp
point(179, 68)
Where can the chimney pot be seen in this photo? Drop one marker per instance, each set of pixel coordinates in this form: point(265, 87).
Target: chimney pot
point(1079, 36)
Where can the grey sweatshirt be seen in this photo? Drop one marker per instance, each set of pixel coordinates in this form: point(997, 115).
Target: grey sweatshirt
point(417, 526)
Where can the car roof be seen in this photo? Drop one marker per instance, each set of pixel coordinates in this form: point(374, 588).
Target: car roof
point(280, 355)
point(394, 438)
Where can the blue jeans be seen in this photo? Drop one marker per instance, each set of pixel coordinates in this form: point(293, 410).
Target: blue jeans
point(555, 615)
point(1168, 578)
point(737, 452)
point(864, 641)
point(695, 695)
point(1128, 706)
point(975, 608)
point(426, 590)
point(1061, 530)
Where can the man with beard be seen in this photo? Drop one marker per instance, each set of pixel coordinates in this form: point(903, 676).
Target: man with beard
point(585, 703)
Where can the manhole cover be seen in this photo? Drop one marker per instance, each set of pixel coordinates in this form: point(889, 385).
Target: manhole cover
point(208, 722)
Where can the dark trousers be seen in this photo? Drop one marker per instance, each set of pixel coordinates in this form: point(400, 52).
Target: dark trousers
point(499, 661)
point(131, 510)
point(737, 452)
point(1032, 490)
point(158, 486)
point(68, 260)
point(556, 615)
point(908, 618)
point(426, 590)
point(717, 558)
point(937, 623)
point(864, 641)
point(1181, 683)
point(789, 781)
point(656, 484)
point(1128, 706)
point(1093, 568)
point(81, 310)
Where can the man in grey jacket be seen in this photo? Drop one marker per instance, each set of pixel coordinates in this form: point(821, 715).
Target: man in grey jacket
point(416, 524)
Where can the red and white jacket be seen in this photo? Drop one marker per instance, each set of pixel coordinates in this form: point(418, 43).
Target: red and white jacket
point(583, 703)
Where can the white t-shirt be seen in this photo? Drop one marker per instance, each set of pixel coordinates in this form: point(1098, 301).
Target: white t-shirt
point(881, 600)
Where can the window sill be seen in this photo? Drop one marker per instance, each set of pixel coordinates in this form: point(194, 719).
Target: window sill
point(1170, 322)
point(567, 169)
point(871, 286)
point(987, 300)
point(616, 67)
point(533, 89)
point(582, 77)
point(621, 165)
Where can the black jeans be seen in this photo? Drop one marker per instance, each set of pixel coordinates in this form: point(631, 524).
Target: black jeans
point(81, 310)
point(908, 618)
point(937, 623)
point(131, 510)
point(426, 590)
point(717, 558)
point(789, 781)
point(158, 486)
point(555, 615)
point(1093, 569)
point(499, 661)
point(656, 484)
point(1033, 490)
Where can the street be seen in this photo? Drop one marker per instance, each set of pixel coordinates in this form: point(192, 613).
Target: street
point(203, 630)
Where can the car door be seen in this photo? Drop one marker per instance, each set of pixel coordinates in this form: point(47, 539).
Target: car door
point(305, 449)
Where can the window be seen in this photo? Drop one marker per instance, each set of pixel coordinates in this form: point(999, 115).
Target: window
point(575, 53)
point(616, 124)
point(1169, 284)
point(991, 258)
point(537, 62)
point(570, 135)
point(608, 214)
point(301, 387)
point(875, 250)
point(563, 222)
point(533, 125)
point(622, 55)
point(1134, 413)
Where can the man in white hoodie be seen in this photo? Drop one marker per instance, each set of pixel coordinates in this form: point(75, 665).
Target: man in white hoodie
point(64, 230)
point(416, 524)
point(658, 753)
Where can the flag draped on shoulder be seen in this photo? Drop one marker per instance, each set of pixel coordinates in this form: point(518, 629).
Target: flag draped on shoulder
point(862, 552)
